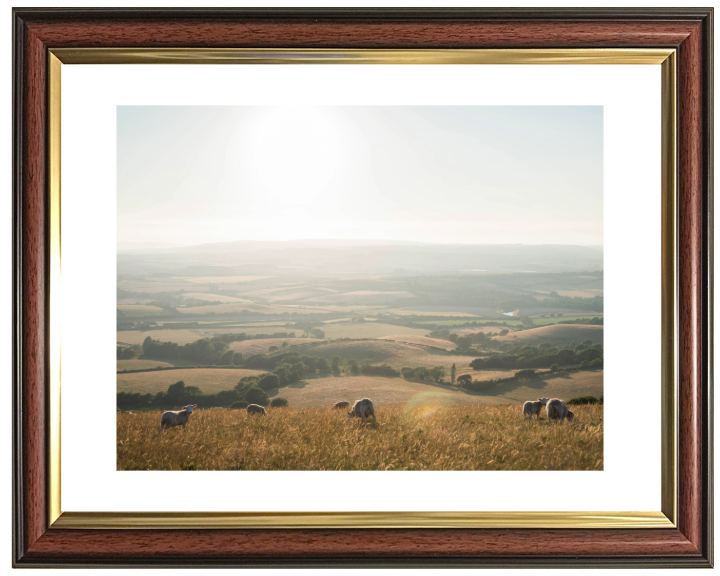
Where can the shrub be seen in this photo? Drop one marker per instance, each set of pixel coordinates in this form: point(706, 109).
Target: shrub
point(582, 400)
point(554, 368)
point(584, 364)
point(524, 374)
point(257, 396)
point(239, 404)
point(464, 380)
point(269, 381)
point(597, 363)
point(278, 402)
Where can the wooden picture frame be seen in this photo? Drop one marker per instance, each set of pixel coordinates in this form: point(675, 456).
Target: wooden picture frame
point(42, 33)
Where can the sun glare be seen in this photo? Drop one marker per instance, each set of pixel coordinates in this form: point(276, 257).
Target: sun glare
point(294, 152)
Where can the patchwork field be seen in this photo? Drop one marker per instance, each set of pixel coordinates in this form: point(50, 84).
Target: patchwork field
point(139, 310)
point(547, 321)
point(393, 354)
point(421, 341)
point(326, 391)
point(248, 347)
point(213, 297)
point(178, 336)
point(236, 307)
point(426, 436)
point(222, 279)
point(209, 380)
point(368, 330)
point(137, 364)
point(556, 334)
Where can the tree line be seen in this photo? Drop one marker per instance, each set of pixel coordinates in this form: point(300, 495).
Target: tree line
point(543, 355)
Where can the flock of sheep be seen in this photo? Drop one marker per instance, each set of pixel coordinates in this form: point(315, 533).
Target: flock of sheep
point(556, 409)
point(361, 409)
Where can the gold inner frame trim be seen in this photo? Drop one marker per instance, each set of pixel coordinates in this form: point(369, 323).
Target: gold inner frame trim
point(178, 520)
point(358, 56)
point(666, 518)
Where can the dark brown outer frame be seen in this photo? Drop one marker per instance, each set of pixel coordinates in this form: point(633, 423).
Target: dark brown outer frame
point(687, 30)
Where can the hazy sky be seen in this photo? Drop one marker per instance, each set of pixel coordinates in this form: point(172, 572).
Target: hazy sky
point(449, 174)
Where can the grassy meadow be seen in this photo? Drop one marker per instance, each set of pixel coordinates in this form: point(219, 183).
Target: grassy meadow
point(209, 380)
point(424, 437)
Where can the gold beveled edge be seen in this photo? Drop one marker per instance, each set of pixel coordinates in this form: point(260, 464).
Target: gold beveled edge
point(55, 352)
point(669, 289)
point(225, 520)
point(359, 56)
point(110, 520)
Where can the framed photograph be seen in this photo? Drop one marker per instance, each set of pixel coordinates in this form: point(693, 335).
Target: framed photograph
point(388, 287)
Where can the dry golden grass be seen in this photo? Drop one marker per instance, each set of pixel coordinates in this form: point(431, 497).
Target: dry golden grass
point(249, 347)
point(209, 380)
point(556, 334)
point(325, 391)
point(139, 310)
point(368, 330)
point(178, 336)
point(421, 341)
point(137, 364)
point(213, 297)
point(424, 437)
point(395, 354)
point(565, 386)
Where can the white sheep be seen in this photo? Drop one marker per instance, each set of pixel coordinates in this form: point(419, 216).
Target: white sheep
point(255, 409)
point(362, 409)
point(176, 418)
point(531, 408)
point(557, 410)
point(341, 404)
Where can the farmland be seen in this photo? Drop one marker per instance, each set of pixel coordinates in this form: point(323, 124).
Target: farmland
point(138, 364)
point(178, 336)
point(379, 311)
point(420, 341)
point(326, 391)
point(423, 436)
point(557, 334)
point(368, 330)
point(262, 346)
point(209, 380)
point(395, 354)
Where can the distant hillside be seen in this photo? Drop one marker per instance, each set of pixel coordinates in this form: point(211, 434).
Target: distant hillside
point(375, 256)
point(556, 334)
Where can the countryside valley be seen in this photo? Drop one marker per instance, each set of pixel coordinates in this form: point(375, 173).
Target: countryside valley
point(299, 326)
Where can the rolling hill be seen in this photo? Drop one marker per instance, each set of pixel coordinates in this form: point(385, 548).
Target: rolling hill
point(556, 334)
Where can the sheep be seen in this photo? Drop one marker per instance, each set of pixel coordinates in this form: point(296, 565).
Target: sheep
point(557, 410)
point(176, 418)
point(255, 409)
point(342, 404)
point(531, 408)
point(363, 409)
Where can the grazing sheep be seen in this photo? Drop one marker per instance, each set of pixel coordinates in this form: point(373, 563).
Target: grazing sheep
point(255, 409)
point(531, 408)
point(362, 409)
point(176, 418)
point(343, 404)
point(557, 410)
